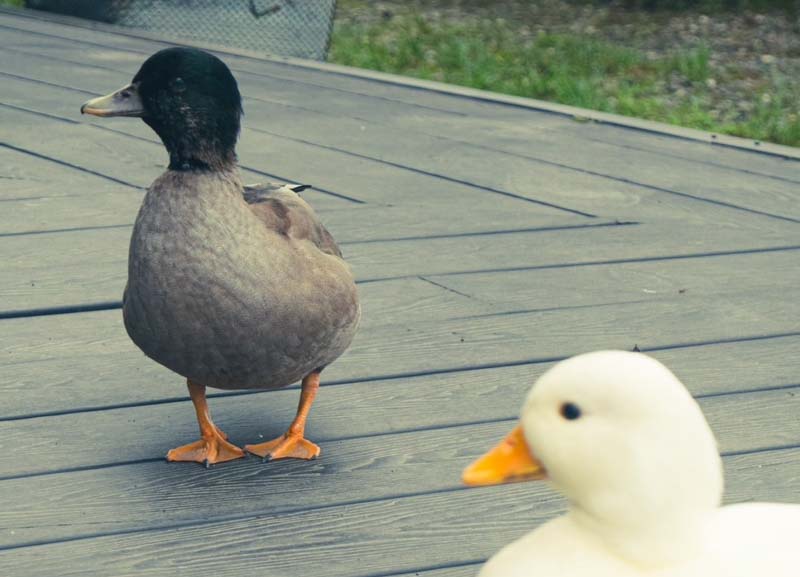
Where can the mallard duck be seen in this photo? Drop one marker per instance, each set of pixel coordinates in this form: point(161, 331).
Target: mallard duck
point(621, 437)
point(230, 287)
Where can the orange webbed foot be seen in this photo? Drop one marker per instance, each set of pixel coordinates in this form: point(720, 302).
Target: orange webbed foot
point(287, 446)
point(208, 451)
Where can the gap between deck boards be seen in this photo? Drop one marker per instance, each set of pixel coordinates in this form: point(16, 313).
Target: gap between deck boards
point(417, 374)
point(100, 293)
point(509, 419)
point(355, 455)
point(244, 167)
point(466, 234)
point(464, 95)
point(595, 173)
point(464, 568)
point(639, 149)
point(442, 137)
point(719, 253)
point(334, 149)
point(447, 489)
point(241, 71)
point(70, 165)
point(407, 315)
point(561, 165)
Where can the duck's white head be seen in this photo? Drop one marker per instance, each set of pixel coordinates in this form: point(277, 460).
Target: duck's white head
point(621, 437)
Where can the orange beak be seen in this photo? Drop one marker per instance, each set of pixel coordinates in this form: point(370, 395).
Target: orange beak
point(511, 460)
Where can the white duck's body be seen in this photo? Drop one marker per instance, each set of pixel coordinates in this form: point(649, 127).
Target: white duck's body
point(748, 540)
point(624, 441)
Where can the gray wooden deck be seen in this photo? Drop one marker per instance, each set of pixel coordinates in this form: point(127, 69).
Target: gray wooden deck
point(489, 240)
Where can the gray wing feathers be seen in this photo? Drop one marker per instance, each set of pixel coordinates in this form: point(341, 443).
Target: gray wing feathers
point(282, 210)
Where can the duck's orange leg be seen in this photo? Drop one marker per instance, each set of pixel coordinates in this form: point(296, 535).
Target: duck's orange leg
point(213, 446)
point(292, 444)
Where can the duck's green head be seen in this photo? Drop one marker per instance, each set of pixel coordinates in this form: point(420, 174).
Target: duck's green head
point(190, 98)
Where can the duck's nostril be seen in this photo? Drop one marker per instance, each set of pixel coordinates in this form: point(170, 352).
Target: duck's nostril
point(125, 94)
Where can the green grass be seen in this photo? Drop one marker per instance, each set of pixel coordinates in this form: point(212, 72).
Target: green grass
point(568, 69)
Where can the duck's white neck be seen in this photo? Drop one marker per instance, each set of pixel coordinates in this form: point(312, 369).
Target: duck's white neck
point(654, 511)
point(673, 540)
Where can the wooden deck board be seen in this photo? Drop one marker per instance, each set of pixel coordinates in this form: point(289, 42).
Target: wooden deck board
point(361, 538)
point(46, 383)
point(45, 36)
point(158, 427)
point(516, 147)
point(104, 48)
point(543, 153)
point(91, 351)
point(622, 140)
point(490, 239)
point(129, 497)
point(463, 569)
point(523, 161)
point(365, 180)
point(91, 264)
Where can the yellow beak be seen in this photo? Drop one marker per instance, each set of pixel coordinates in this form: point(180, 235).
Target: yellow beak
point(511, 460)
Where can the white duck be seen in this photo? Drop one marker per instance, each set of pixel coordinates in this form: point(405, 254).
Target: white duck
point(620, 436)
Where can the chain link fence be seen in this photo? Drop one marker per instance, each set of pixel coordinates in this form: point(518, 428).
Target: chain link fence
point(299, 28)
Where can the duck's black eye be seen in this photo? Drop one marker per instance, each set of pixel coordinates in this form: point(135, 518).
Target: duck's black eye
point(570, 411)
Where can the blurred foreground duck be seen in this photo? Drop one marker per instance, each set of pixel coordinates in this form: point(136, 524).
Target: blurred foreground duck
point(231, 287)
point(621, 437)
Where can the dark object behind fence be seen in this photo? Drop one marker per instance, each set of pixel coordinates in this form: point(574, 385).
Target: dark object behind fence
point(299, 28)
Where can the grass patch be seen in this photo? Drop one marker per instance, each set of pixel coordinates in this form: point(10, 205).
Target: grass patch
point(775, 118)
point(566, 68)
